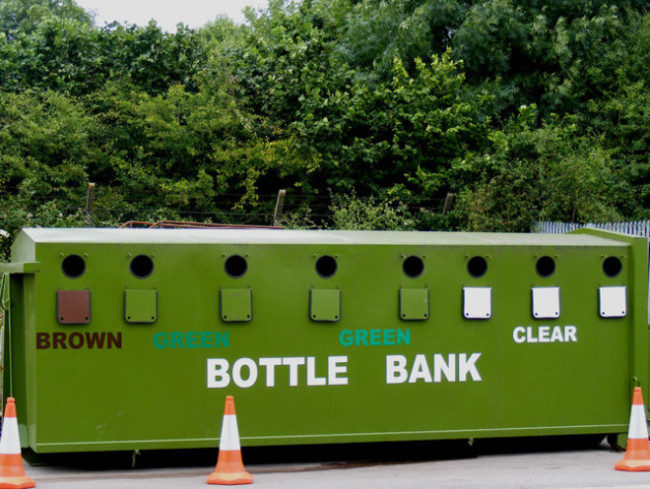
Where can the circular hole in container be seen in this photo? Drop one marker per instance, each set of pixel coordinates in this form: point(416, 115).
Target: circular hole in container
point(612, 266)
point(236, 266)
point(413, 266)
point(141, 266)
point(73, 266)
point(477, 266)
point(545, 266)
point(326, 266)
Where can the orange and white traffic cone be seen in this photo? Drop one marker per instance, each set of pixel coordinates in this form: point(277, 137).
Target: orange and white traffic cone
point(637, 454)
point(230, 467)
point(12, 473)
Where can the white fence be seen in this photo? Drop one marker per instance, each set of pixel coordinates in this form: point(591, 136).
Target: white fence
point(635, 228)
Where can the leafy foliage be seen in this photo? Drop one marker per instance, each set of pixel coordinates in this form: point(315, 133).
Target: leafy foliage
point(536, 173)
point(370, 113)
point(351, 212)
point(24, 16)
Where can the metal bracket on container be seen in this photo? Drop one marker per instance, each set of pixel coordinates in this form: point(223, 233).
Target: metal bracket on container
point(141, 306)
point(546, 302)
point(236, 305)
point(612, 302)
point(477, 302)
point(73, 306)
point(325, 305)
point(414, 304)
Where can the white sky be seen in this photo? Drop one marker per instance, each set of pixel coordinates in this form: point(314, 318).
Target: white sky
point(167, 13)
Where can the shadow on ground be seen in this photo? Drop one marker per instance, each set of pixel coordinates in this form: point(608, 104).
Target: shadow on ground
point(321, 456)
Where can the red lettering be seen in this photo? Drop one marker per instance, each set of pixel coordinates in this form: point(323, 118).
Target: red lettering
point(76, 341)
point(59, 341)
point(95, 340)
point(42, 341)
point(115, 341)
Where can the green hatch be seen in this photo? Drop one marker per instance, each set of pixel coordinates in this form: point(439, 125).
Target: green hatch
point(140, 306)
point(325, 304)
point(414, 304)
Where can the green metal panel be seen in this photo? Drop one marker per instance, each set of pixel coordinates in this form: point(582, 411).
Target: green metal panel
point(140, 305)
point(369, 376)
point(325, 304)
point(236, 305)
point(414, 304)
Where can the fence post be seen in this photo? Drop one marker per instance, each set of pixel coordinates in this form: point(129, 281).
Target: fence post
point(90, 200)
point(279, 205)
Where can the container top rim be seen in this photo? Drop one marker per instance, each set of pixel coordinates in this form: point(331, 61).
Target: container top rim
point(310, 237)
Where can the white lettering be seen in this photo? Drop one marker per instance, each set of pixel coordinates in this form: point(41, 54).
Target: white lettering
point(337, 366)
point(311, 373)
point(420, 370)
point(557, 335)
point(294, 363)
point(396, 369)
point(545, 334)
point(245, 371)
point(571, 334)
point(518, 334)
point(270, 364)
point(218, 376)
point(252, 372)
point(398, 372)
point(468, 366)
point(440, 367)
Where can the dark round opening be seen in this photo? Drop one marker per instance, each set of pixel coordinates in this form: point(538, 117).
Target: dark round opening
point(141, 266)
point(413, 266)
point(477, 266)
point(326, 266)
point(545, 266)
point(236, 266)
point(73, 266)
point(612, 266)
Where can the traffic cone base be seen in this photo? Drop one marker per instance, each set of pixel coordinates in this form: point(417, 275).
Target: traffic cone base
point(230, 469)
point(17, 483)
point(12, 473)
point(637, 452)
point(633, 465)
point(230, 479)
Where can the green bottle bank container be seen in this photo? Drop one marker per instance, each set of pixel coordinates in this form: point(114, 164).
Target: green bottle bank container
point(120, 339)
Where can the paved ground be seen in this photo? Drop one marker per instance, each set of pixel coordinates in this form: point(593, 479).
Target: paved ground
point(495, 465)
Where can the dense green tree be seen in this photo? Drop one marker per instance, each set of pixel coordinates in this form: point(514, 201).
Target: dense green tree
point(68, 56)
point(536, 173)
point(377, 32)
point(369, 112)
point(618, 108)
point(24, 16)
point(397, 139)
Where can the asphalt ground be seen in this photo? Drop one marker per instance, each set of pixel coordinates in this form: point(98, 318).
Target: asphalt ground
point(560, 463)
